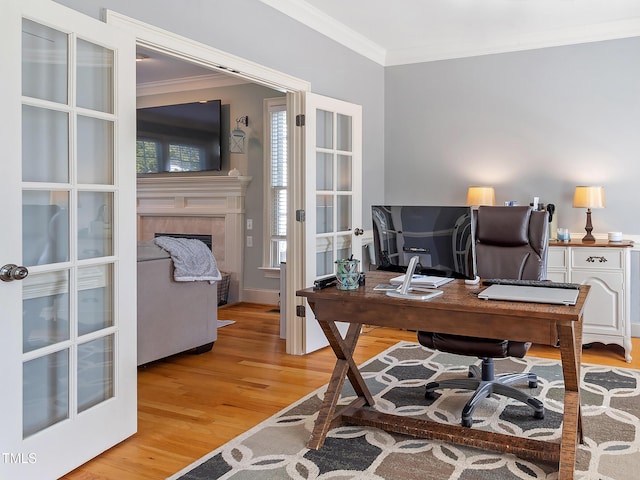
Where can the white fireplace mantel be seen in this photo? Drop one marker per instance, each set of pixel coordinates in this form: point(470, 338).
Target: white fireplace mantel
point(196, 195)
point(215, 197)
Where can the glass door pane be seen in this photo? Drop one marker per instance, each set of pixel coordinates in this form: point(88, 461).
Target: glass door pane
point(95, 372)
point(45, 390)
point(45, 307)
point(95, 211)
point(344, 133)
point(95, 77)
point(95, 150)
point(324, 256)
point(44, 62)
point(45, 227)
point(45, 145)
point(324, 129)
point(95, 298)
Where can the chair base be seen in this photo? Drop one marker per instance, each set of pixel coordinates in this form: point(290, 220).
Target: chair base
point(484, 383)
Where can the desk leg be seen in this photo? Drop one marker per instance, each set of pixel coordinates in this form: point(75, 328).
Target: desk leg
point(571, 352)
point(345, 366)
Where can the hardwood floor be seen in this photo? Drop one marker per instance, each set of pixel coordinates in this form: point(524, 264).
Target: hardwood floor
point(190, 404)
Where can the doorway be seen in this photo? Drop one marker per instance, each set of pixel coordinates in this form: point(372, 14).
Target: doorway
point(181, 49)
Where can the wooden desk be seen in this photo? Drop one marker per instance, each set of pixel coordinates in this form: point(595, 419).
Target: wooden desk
point(457, 311)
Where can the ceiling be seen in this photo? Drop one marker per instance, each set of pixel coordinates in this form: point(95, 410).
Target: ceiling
point(159, 73)
point(410, 31)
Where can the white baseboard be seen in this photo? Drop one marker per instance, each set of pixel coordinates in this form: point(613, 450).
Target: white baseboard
point(635, 330)
point(267, 297)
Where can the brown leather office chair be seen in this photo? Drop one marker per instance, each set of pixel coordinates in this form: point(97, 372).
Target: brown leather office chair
point(511, 242)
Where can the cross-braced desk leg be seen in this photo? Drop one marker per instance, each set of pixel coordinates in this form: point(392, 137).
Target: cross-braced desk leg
point(328, 415)
point(571, 353)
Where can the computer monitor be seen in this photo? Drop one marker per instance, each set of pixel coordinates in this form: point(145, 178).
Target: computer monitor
point(441, 236)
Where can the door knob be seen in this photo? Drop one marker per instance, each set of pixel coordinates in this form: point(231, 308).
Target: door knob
point(11, 272)
point(358, 231)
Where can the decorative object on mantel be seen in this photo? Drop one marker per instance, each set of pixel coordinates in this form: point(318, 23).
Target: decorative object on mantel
point(588, 197)
point(477, 196)
point(234, 172)
point(238, 137)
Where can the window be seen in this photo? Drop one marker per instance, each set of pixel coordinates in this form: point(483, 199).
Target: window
point(276, 181)
point(153, 154)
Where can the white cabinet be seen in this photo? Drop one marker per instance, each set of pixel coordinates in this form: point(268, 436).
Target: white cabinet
point(606, 267)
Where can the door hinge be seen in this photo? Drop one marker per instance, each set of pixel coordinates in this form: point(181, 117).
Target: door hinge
point(300, 311)
point(300, 216)
point(300, 120)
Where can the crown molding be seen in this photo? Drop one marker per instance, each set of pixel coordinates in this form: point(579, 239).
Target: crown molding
point(341, 33)
point(198, 82)
point(330, 27)
point(545, 39)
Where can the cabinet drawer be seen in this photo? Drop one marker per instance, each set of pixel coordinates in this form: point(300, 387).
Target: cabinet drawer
point(597, 258)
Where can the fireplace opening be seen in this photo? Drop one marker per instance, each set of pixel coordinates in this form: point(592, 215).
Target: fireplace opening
point(206, 239)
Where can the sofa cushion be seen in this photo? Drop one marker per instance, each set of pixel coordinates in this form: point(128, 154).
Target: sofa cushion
point(150, 251)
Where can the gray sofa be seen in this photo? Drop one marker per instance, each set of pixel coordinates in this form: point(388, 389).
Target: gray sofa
point(173, 317)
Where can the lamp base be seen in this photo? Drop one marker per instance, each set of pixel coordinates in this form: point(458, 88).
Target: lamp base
point(588, 238)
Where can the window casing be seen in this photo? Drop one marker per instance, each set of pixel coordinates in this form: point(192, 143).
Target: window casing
point(276, 182)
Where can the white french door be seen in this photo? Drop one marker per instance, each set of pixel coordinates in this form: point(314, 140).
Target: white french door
point(333, 194)
point(68, 347)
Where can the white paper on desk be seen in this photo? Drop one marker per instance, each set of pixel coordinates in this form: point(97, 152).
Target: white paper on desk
point(416, 293)
point(423, 280)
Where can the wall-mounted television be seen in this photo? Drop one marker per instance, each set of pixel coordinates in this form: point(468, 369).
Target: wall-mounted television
point(441, 236)
point(179, 138)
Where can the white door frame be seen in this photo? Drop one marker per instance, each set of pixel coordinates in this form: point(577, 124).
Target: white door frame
point(183, 48)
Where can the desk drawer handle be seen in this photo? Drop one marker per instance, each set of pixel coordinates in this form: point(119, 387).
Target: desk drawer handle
point(599, 259)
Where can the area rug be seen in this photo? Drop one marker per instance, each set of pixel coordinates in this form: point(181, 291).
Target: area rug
point(276, 448)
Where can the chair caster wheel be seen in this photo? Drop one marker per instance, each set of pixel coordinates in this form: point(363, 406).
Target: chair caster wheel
point(533, 384)
point(538, 415)
point(467, 422)
point(430, 395)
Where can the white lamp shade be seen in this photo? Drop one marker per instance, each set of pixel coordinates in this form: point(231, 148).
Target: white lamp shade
point(589, 197)
point(481, 196)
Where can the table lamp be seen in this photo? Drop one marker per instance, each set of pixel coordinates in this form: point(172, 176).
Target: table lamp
point(588, 197)
point(477, 196)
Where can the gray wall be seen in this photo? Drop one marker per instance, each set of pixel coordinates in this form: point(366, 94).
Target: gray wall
point(256, 32)
point(530, 123)
point(533, 123)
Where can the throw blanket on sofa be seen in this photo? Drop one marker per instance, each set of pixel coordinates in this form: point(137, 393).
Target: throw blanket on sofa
point(192, 259)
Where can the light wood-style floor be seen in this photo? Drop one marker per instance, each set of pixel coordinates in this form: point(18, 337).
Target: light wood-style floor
point(189, 404)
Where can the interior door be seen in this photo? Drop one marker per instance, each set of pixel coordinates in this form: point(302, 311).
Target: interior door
point(68, 347)
point(333, 194)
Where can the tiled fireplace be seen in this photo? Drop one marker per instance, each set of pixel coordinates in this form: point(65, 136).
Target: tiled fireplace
point(208, 205)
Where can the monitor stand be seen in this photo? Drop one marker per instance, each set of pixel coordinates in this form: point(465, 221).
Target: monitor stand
point(405, 290)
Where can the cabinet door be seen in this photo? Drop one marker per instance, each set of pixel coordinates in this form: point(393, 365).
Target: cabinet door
point(557, 275)
point(557, 270)
point(603, 310)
